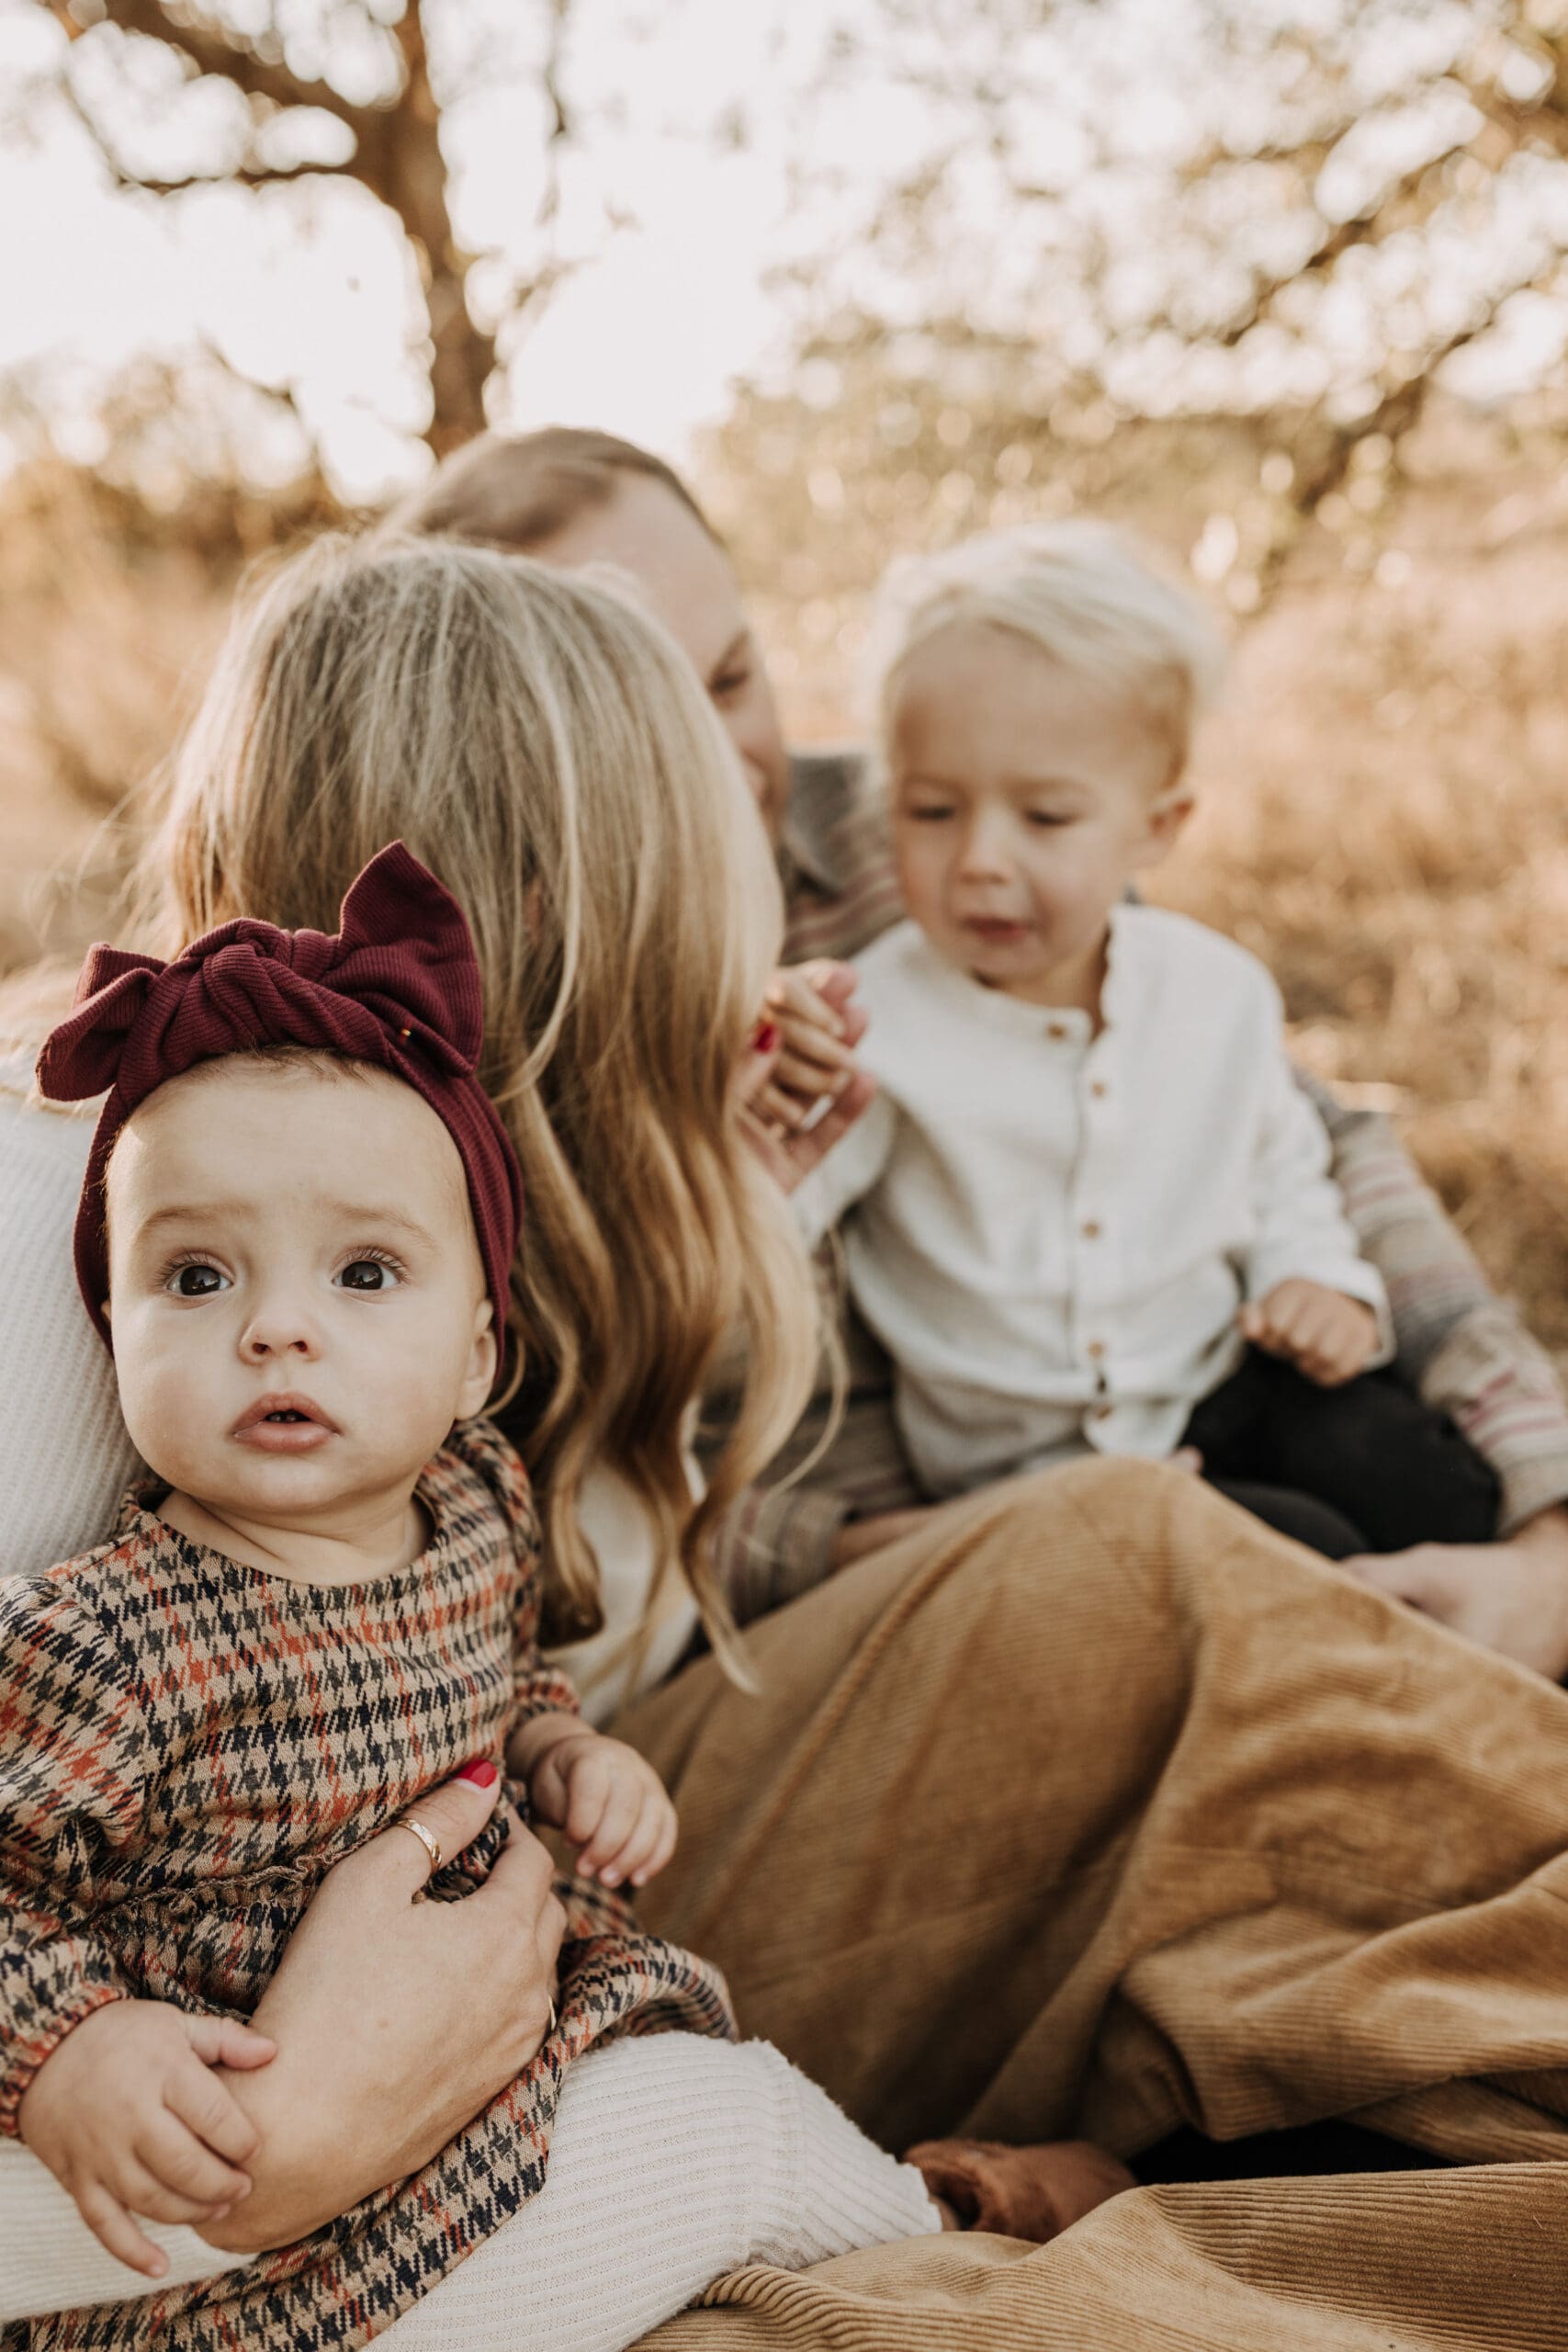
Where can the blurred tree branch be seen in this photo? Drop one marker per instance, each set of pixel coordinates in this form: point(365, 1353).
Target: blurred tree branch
point(395, 152)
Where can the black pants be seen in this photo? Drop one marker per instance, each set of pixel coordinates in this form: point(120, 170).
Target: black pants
point(1363, 1468)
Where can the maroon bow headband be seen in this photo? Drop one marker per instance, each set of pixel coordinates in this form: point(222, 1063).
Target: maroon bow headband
point(398, 986)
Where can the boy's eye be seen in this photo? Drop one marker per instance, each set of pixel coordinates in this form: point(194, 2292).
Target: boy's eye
point(197, 1282)
point(367, 1274)
point(734, 682)
point(930, 812)
point(1048, 816)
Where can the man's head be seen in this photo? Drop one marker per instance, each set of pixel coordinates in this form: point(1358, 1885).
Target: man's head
point(300, 1308)
point(576, 498)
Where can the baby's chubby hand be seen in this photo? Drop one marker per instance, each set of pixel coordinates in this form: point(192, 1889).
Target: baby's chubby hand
point(819, 1029)
point(1329, 1337)
point(604, 1797)
point(129, 2118)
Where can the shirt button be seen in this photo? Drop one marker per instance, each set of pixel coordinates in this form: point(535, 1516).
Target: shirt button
point(1096, 1349)
point(1099, 1089)
point(1090, 1228)
point(1102, 1412)
point(1057, 1029)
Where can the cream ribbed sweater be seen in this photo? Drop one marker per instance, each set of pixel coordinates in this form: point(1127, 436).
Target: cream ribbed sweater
point(673, 2160)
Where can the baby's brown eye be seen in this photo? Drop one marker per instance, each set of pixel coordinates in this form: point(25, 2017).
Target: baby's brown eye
point(366, 1274)
point(197, 1282)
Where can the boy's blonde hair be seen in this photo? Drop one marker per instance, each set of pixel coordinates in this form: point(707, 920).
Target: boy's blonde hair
point(548, 752)
point(1082, 593)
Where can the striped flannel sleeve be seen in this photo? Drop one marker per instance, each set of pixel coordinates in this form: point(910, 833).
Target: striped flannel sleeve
point(1460, 1347)
point(73, 1760)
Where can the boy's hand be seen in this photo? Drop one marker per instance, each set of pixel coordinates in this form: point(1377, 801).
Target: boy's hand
point(129, 2118)
point(816, 1037)
point(1327, 1336)
point(602, 1795)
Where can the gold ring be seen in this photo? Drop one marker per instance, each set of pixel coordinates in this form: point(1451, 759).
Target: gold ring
point(427, 1839)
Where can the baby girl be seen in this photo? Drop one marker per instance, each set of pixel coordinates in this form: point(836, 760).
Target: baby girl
point(298, 1232)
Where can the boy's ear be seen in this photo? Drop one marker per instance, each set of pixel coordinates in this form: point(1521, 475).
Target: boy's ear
point(484, 1356)
point(1165, 818)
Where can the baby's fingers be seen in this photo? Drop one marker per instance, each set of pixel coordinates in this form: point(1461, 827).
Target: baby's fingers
point(117, 2232)
point(204, 2113)
point(223, 2042)
point(651, 1843)
point(615, 1825)
point(588, 1783)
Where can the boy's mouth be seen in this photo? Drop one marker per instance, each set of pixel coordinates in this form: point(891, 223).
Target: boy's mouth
point(288, 1423)
point(996, 931)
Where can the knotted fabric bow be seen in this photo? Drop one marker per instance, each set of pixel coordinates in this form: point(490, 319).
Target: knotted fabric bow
point(397, 986)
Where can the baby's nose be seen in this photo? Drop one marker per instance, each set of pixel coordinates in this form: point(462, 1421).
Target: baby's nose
point(277, 1329)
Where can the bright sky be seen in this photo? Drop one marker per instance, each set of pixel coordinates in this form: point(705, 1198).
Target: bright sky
point(309, 286)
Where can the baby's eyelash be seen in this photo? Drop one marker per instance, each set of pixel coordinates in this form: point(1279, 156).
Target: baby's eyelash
point(171, 1266)
point(377, 1255)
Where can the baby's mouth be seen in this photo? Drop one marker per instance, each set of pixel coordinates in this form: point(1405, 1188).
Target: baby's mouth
point(285, 1423)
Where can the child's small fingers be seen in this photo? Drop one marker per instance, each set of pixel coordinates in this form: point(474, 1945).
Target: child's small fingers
point(803, 1075)
point(664, 1846)
point(175, 2155)
point(117, 2234)
point(587, 1795)
point(795, 996)
point(205, 2107)
point(814, 1043)
point(224, 2042)
point(786, 1111)
point(615, 1826)
point(638, 1842)
point(147, 2197)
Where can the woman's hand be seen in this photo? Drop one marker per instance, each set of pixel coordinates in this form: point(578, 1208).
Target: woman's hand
point(395, 2020)
point(789, 1151)
point(1510, 1596)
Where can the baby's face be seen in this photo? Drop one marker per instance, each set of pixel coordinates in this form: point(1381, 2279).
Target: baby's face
point(1025, 797)
point(298, 1308)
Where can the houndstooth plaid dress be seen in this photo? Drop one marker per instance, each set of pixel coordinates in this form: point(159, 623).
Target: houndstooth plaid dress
point(187, 1745)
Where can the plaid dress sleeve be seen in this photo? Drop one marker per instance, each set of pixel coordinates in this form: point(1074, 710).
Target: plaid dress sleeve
point(73, 1754)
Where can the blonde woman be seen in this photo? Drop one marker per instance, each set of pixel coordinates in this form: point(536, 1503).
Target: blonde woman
point(990, 1841)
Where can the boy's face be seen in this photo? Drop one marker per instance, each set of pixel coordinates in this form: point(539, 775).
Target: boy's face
point(292, 1242)
point(1025, 797)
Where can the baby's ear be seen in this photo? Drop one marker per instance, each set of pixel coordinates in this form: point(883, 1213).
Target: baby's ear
point(1165, 818)
point(483, 1357)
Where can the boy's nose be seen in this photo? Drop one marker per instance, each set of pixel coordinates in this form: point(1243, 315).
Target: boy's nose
point(984, 853)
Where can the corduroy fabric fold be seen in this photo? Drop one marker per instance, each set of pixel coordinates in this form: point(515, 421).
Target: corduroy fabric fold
point(1096, 1809)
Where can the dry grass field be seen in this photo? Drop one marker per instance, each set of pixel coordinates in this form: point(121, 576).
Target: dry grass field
point(1384, 792)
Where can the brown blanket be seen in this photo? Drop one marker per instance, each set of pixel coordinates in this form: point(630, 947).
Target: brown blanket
point(1094, 1810)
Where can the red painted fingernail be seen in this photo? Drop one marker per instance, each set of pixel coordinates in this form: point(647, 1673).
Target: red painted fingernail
point(481, 1771)
point(765, 1036)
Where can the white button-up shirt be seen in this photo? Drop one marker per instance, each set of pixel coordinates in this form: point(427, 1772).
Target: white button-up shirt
point(1052, 1230)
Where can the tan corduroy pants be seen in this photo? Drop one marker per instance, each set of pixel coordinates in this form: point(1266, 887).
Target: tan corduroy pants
point(1095, 1809)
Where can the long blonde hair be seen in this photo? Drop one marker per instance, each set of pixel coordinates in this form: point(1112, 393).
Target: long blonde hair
point(550, 754)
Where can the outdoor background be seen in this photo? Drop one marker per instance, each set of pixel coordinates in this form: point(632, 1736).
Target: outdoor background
point(1281, 282)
